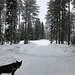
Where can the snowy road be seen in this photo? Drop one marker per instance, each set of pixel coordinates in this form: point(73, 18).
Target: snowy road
point(40, 58)
point(47, 60)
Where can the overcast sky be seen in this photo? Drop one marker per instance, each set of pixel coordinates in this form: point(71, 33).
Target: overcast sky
point(43, 9)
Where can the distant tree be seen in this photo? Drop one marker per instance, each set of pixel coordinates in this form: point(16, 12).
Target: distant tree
point(22, 31)
point(42, 31)
point(19, 12)
point(37, 29)
point(29, 13)
point(30, 31)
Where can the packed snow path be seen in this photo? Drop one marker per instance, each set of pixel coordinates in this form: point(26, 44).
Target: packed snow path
point(48, 60)
point(42, 58)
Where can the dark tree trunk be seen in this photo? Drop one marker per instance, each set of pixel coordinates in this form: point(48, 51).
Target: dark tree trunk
point(19, 26)
point(59, 27)
point(26, 26)
point(14, 35)
point(62, 31)
point(1, 36)
point(25, 35)
point(57, 31)
point(0, 27)
point(51, 35)
point(11, 37)
point(69, 23)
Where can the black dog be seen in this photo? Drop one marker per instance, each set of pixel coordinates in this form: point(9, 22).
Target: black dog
point(10, 68)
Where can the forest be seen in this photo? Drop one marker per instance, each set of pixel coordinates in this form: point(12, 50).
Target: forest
point(19, 21)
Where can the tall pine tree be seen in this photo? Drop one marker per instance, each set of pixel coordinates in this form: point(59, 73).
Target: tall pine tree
point(11, 19)
point(1, 33)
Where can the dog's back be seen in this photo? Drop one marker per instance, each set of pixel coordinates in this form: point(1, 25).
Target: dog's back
point(10, 68)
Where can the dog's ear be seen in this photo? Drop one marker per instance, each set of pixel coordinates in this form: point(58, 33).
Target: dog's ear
point(16, 61)
point(21, 61)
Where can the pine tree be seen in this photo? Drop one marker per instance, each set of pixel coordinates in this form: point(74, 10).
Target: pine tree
point(58, 19)
point(72, 18)
point(11, 20)
point(22, 31)
point(19, 12)
point(29, 13)
point(1, 33)
point(37, 29)
point(30, 31)
point(52, 18)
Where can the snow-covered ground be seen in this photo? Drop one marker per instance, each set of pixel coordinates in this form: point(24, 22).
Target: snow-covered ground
point(40, 58)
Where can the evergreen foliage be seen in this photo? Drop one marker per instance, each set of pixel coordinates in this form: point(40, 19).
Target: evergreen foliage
point(37, 29)
point(11, 18)
point(30, 11)
point(1, 26)
point(58, 18)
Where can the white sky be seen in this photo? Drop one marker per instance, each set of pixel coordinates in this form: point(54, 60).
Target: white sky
point(43, 9)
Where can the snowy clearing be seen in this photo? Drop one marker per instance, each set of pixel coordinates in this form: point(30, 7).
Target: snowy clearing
point(40, 58)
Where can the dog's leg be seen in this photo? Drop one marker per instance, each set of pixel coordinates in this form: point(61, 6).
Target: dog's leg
point(12, 73)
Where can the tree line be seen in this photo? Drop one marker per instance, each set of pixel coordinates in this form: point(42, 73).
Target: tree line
point(19, 21)
point(60, 20)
